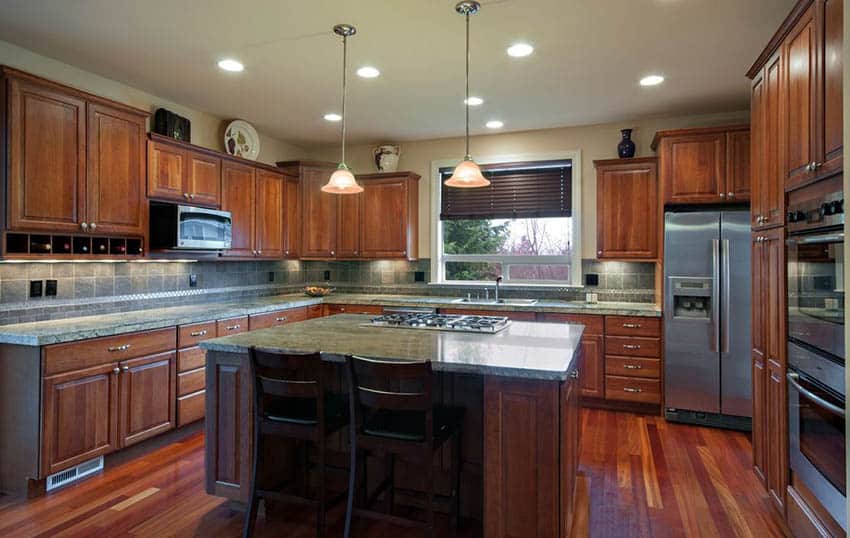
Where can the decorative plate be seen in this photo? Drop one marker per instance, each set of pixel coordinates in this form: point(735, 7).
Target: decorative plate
point(242, 140)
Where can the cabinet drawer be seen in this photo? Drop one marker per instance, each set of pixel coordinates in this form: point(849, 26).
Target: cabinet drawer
point(191, 335)
point(633, 347)
point(79, 355)
point(633, 367)
point(191, 407)
point(315, 311)
point(632, 389)
point(278, 317)
point(632, 326)
point(332, 309)
point(190, 359)
point(226, 327)
point(191, 381)
point(593, 325)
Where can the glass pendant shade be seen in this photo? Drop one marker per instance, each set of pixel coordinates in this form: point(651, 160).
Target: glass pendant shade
point(467, 175)
point(342, 182)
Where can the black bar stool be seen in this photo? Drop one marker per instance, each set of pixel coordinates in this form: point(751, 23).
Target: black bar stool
point(394, 415)
point(290, 402)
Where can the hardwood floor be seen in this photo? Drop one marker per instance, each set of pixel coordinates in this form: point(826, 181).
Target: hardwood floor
point(641, 476)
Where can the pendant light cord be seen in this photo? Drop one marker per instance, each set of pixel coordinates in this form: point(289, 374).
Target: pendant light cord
point(466, 102)
point(344, 89)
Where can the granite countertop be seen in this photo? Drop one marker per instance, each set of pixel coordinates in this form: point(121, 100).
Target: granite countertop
point(526, 350)
point(41, 333)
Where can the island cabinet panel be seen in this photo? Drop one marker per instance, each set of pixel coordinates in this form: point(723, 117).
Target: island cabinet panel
point(115, 177)
point(148, 397)
point(626, 209)
point(238, 197)
point(592, 384)
point(79, 416)
point(570, 433)
point(521, 494)
point(47, 158)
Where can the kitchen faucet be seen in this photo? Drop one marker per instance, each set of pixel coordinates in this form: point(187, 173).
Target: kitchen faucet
point(498, 282)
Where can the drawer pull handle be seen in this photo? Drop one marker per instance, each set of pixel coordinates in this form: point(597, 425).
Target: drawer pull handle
point(283, 318)
point(630, 389)
point(125, 368)
point(633, 366)
point(123, 347)
point(631, 346)
point(199, 333)
point(574, 375)
point(631, 325)
point(233, 327)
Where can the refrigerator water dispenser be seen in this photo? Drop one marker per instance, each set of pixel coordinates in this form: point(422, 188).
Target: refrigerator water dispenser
point(691, 298)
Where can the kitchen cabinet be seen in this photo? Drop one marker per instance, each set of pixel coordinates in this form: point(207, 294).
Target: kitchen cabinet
point(180, 174)
point(389, 215)
point(759, 366)
point(291, 217)
point(348, 217)
point(148, 397)
point(767, 163)
point(268, 214)
point(237, 196)
point(627, 217)
point(592, 380)
point(318, 209)
point(812, 50)
point(704, 165)
point(75, 161)
point(276, 318)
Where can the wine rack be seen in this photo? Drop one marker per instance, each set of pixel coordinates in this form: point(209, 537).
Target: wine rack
point(44, 246)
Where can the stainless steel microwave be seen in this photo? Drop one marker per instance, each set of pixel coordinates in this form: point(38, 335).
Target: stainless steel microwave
point(183, 227)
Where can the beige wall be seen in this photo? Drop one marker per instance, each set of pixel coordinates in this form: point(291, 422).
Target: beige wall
point(207, 129)
point(594, 142)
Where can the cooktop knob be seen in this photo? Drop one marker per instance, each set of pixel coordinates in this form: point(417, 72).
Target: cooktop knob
point(837, 206)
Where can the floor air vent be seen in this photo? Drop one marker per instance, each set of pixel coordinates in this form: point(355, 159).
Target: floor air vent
point(74, 473)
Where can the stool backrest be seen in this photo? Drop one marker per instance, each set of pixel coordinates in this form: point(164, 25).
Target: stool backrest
point(286, 375)
point(391, 385)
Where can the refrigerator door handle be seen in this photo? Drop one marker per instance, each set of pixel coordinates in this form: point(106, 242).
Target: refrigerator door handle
point(715, 294)
point(726, 301)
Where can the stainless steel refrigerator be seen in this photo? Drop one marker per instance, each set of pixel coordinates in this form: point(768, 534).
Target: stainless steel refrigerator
point(707, 376)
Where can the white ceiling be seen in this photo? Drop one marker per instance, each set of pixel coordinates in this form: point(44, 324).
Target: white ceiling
point(588, 59)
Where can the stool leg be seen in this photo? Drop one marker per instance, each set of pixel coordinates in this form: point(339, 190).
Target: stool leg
point(320, 520)
point(429, 494)
point(251, 512)
point(352, 485)
point(456, 464)
point(390, 475)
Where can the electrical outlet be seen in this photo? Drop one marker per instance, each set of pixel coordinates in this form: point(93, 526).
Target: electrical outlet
point(271, 276)
point(591, 279)
point(327, 275)
point(50, 288)
point(419, 276)
point(193, 280)
point(36, 288)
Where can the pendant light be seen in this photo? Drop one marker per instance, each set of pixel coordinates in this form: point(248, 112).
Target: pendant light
point(467, 174)
point(342, 181)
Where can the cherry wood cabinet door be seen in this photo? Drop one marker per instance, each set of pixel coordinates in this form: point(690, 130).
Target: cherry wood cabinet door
point(738, 165)
point(319, 215)
point(291, 217)
point(759, 302)
point(776, 434)
point(800, 51)
point(116, 165)
point(47, 158)
point(626, 206)
point(693, 168)
point(772, 161)
point(203, 180)
point(384, 220)
point(148, 397)
point(593, 367)
point(757, 144)
point(570, 433)
point(167, 171)
point(759, 418)
point(348, 226)
point(79, 417)
point(268, 206)
point(831, 62)
point(237, 196)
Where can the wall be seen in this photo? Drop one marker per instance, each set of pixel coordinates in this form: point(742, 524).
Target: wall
point(207, 129)
point(594, 141)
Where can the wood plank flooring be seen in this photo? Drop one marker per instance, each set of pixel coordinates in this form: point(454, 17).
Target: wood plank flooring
point(641, 476)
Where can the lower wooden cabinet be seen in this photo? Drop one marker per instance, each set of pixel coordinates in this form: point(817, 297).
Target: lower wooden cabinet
point(147, 397)
point(276, 318)
point(759, 417)
point(777, 434)
point(333, 309)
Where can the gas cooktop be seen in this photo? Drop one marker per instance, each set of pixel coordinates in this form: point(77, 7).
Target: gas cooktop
point(443, 322)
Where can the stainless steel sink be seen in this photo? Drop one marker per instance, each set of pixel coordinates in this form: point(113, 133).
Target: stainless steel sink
point(507, 302)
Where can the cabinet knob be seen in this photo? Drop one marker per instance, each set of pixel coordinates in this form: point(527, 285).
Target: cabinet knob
point(286, 252)
point(93, 226)
point(259, 252)
point(116, 370)
point(191, 196)
point(333, 253)
point(84, 225)
point(723, 195)
point(730, 194)
point(599, 253)
point(574, 375)
point(125, 368)
point(186, 195)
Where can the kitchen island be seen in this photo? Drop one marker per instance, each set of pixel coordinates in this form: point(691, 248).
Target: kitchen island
point(519, 386)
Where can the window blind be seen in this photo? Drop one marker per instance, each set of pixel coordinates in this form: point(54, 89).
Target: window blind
point(517, 190)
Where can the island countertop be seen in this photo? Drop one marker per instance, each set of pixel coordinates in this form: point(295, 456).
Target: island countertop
point(528, 350)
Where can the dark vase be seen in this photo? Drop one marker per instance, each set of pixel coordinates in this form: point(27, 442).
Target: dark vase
point(626, 147)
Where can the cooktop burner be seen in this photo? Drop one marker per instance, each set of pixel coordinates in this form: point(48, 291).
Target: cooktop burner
point(443, 322)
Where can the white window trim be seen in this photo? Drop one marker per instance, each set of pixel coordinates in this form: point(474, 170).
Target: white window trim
point(437, 266)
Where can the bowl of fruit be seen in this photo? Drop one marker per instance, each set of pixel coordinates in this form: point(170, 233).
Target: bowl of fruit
point(318, 291)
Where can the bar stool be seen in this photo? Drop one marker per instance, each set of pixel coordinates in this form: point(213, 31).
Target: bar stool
point(290, 402)
point(394, 415)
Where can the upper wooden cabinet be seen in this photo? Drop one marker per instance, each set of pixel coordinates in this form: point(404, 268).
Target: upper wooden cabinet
point(268, 214)
point(766, 157)
point(76, 162)
point(318, 209)
point(389, 215)
point(704, 165)
point(347, 230)
point(627, 216)
point(291, 217)
point(255, 199)
point(181, 174)
point(237, 196)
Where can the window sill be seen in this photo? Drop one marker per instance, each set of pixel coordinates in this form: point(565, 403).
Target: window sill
point(503, 285)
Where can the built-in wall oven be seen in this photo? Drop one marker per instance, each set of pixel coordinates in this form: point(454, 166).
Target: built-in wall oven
point(816, 361)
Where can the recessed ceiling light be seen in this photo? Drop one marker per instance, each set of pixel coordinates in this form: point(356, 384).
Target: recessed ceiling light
point(368, 72)
point(651, 80)
point(332, 117)
point(495, 124)
point(519, 50)
point(474, 101)
point(229, 64)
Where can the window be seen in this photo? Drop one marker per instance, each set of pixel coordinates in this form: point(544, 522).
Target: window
point(522, 227)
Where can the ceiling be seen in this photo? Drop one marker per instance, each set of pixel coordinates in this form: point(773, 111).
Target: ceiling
point(589, 56)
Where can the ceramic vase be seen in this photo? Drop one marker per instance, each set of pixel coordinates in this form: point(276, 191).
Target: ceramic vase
point(626, 147)
point(386, 157)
